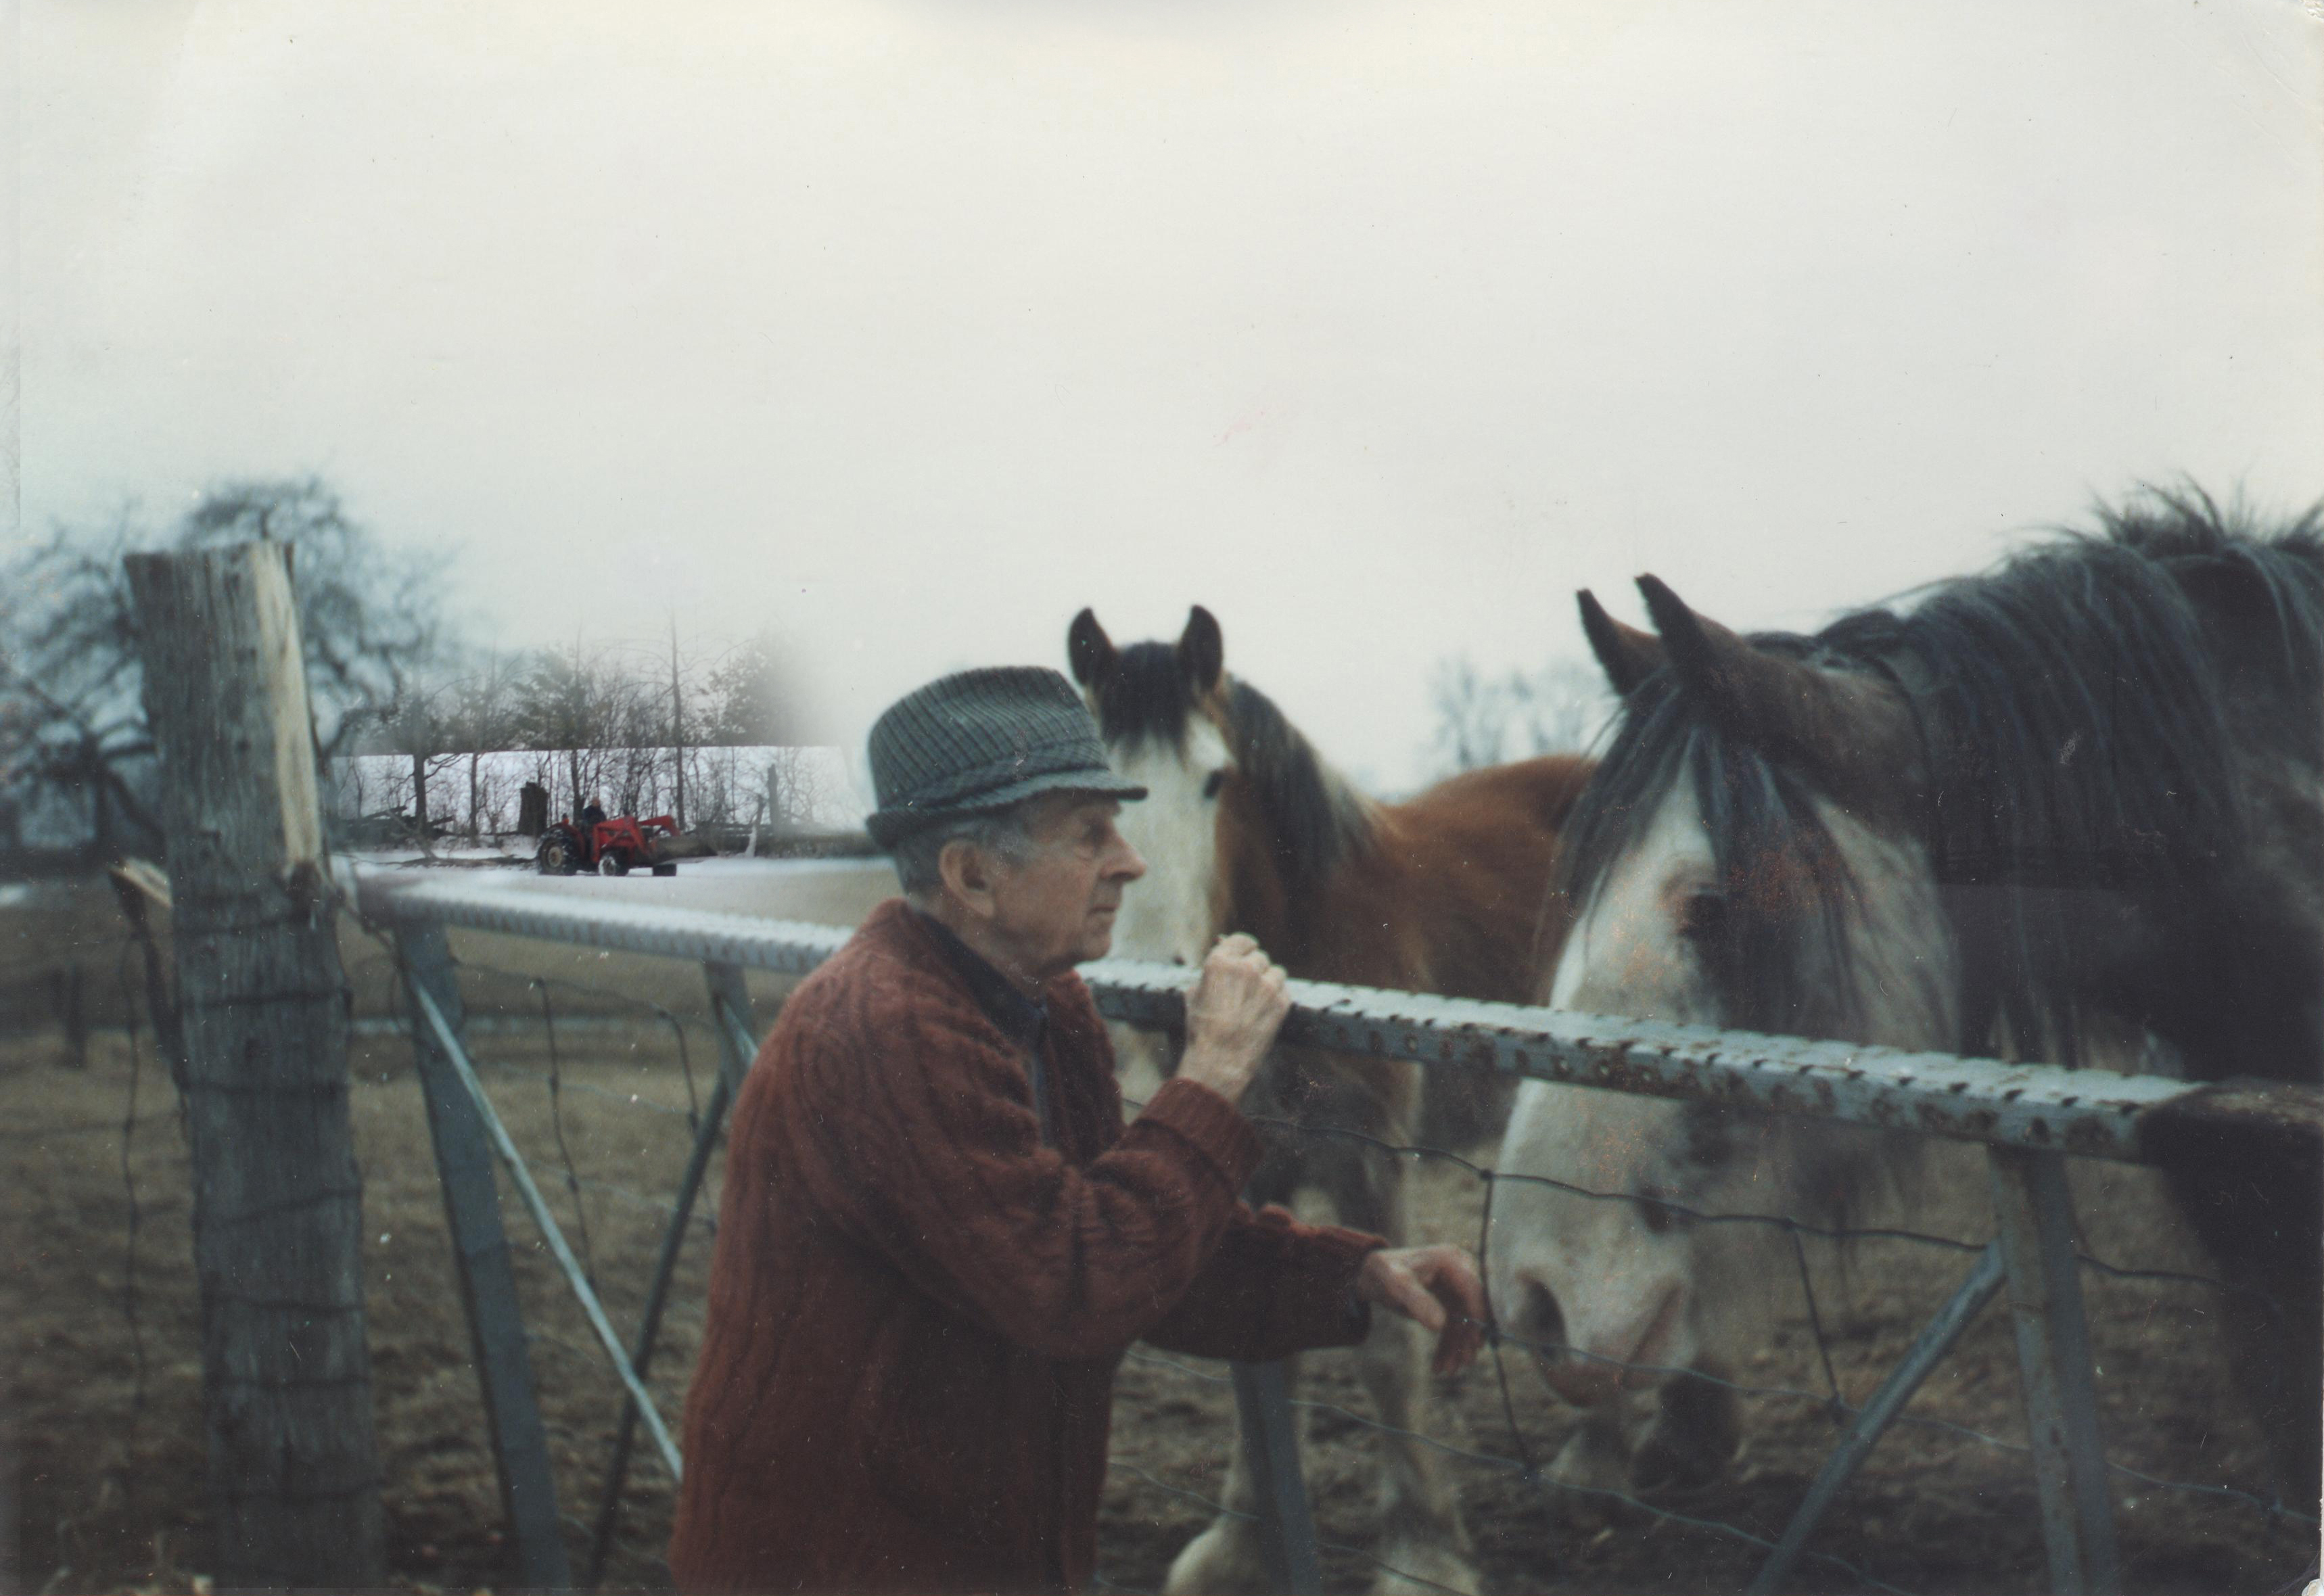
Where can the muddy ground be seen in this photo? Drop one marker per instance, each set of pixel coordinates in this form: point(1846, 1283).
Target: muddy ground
point(103, 1395)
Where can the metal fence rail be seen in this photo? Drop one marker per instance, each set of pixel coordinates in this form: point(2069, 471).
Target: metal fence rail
point(2027, 1115)
point(2088, 1113)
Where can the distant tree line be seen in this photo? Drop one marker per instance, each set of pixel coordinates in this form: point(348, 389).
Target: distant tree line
point(1488, 720)
point(388, 670)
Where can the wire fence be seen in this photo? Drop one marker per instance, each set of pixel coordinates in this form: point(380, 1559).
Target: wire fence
point(2294, 1531)
point(1520, 1453)
point(1506, 1430)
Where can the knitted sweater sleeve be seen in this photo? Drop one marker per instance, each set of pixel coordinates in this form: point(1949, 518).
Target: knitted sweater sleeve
point(913, 1130)
point(1274, 1286)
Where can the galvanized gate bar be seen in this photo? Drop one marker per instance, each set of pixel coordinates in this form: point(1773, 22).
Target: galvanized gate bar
point(2090, 1112)
point(480, 1253)
point(1270, 1439)
point(2034, 1217)
point(730, 1004)
point(1872, 1421)
point(538, 1207)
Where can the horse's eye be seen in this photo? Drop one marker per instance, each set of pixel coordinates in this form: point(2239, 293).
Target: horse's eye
point(1213, 781)
point(1702, 916)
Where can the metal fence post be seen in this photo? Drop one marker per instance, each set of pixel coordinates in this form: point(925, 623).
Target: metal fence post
point(730, 1010)
point(1270, 1439)
point(2034, 1215)
point(480, 1252)
point(730, 1016)
point(1928, 1350)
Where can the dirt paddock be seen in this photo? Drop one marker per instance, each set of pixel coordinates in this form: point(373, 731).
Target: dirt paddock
point(103, 1406)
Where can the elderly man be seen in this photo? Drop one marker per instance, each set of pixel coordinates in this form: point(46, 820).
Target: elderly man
point(937, 1237)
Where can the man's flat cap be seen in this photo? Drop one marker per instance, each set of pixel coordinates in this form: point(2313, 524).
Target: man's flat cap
point(983, 739)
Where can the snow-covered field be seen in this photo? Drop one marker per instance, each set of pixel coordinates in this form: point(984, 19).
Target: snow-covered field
point(825, 892)
point(477, 793)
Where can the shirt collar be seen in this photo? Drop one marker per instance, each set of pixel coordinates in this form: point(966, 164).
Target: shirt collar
point(1020, 1018)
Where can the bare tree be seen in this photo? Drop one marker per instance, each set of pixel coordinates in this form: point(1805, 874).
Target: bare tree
point(70, 670)
point(752, 698)
point(794, 786)
point(1482, 721)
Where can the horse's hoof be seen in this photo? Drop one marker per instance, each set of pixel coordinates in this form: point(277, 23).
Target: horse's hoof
point(1418, 1568)
point(1694, 1438)
point(1588, 1480)
point(1225, 1560)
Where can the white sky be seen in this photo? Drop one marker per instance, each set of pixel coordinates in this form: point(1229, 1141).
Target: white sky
point(906, 330)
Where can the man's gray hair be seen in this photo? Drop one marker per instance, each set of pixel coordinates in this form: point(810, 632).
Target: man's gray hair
point(1005, 833)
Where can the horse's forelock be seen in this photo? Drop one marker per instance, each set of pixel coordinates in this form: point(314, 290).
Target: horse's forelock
point(1783, 956)
point(1146, 698)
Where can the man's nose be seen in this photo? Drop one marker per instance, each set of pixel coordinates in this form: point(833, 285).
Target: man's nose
point(1128, 865)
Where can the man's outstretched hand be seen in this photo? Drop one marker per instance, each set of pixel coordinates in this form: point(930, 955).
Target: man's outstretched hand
point(1437, 1288)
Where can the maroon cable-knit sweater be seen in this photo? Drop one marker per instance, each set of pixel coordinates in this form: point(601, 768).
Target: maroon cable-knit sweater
point(916, 1306)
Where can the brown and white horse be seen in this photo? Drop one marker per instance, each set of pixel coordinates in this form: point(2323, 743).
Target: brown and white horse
point(1248, 829)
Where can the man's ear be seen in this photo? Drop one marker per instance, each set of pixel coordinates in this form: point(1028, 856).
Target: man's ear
point(967, 876)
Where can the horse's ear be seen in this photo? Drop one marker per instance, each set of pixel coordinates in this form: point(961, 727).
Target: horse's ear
point(1202, 651)
point(1852, 730)
point(1090, 650)
point(1628, 655)
point(1741, 684)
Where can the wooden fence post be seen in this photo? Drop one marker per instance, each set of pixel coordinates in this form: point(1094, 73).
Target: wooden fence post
point(293, 1471)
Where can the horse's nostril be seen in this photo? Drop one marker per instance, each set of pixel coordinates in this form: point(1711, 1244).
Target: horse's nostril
point(1534, 1318)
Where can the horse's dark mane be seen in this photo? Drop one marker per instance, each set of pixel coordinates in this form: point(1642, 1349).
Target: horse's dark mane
point(1144, 696)
point(1316, 819)
point(2074, 709)
point(1754, 810)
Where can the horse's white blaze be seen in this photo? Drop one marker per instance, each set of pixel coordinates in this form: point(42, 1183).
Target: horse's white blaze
point(1627, 1281)
point(1172, 913)
point(1624, 955)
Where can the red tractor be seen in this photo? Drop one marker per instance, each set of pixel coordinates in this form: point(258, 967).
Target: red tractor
point(610, 847)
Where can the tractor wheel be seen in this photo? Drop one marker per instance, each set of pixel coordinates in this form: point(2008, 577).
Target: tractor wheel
point(613, 861)
point(556, 855)
point(669, 867)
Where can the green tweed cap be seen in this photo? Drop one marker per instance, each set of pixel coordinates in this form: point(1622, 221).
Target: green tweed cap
point(983, 739)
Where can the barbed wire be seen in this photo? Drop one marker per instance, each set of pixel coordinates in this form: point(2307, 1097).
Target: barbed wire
point(660, 1011)
point(557, 1123)
point(708, 1221)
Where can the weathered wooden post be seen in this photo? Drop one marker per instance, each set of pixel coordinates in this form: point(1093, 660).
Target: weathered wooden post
point(294, 1483)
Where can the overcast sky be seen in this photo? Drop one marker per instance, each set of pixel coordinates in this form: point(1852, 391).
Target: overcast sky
point(906, 330)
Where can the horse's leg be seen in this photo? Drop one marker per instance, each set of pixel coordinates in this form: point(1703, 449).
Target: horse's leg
point(2261, 1217)
point(1142, 1061)
point(1695, 1434)
point(1231, 1557)
point(1594, 1467)
point(1421, 1533)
